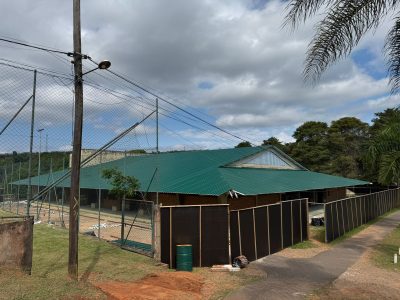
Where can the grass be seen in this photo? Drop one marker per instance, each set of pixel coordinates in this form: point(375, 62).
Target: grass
point(98, 261)
point(6, 214)
point(384, 251)
point(304, 245)
point(360, 228)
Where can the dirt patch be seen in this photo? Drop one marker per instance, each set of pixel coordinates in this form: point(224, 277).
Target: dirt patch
point(167, 285)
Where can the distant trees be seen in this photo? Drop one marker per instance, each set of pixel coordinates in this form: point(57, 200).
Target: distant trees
point(347, 138)
point(349, 147)
point(273, 141)
point(311, 146)
point(243, 144)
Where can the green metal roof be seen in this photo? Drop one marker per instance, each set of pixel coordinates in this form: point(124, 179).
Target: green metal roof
point(204, 172)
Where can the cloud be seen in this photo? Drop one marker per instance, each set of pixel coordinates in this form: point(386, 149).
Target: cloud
point(231, 59)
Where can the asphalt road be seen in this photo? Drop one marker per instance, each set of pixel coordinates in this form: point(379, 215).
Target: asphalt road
point(294, 278)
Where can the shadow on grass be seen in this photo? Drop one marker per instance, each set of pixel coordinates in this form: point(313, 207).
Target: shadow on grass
point(92, 264)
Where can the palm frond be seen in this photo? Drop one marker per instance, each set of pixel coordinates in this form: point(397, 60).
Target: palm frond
point(341, 30)
point(392, 52)
point(300, 10)
point(389, 169)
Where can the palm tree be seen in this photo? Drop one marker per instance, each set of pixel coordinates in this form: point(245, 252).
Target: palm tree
point(342, 27)
point(384, 151)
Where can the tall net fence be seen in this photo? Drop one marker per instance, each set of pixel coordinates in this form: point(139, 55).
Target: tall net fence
point(113, 130)
point(121, 120)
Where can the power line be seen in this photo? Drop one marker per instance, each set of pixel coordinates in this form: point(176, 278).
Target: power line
point(172, 104)
point(35, 47)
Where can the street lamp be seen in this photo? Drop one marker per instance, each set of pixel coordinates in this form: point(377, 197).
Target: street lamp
point(103, 65)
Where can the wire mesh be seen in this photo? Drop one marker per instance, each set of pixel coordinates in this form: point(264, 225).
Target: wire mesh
point(120, 120)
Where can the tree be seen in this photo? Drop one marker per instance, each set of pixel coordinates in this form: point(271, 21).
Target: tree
point(311, 146)
point(384, 149)
point(121, 185)
point(243, 144)
point(341, 29)
point(347, 137)
point(273, 141)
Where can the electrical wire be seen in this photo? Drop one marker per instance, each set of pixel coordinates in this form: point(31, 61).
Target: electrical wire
point(34, 47)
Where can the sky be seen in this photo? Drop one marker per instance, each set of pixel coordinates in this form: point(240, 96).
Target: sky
point(228, 62)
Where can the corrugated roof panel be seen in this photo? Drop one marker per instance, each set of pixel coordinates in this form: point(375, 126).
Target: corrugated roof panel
point(204, 172)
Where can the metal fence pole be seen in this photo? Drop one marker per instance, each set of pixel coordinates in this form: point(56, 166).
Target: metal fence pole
point(99, 208)
point(11, 185)
point(28, 203)
point(18, 186)
point(122, 220)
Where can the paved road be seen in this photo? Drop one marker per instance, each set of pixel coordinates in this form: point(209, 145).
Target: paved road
point(294, 278)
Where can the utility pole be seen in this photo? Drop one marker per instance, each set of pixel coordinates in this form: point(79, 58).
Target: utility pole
point(74, 200)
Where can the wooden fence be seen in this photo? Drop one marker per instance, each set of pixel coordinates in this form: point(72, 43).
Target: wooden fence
point(260, 231)
point(343, 215)
point(205, 227)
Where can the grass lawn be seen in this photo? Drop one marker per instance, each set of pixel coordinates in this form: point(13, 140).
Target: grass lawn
point(6, 214)
point(383, 253)
point(98, 261)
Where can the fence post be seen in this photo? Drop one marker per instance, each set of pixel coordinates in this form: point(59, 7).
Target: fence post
point(341, 204)
point(337, 218)
point(170, 237)
point(229, 234)
point(122, 220)
point(269, 239)
point(326, 228)
point(157, 233)
point(301, 220)
point(281, 227)
point(200, 235)
point(291, 220)
point(254, 233)
point(240, 236)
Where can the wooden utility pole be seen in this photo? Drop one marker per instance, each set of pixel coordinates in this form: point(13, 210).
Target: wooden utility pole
point(74, 200)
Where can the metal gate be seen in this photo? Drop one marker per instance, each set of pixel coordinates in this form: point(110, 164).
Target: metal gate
point(137, 226)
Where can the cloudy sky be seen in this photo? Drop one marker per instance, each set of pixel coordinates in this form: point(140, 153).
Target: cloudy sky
point(228, 61)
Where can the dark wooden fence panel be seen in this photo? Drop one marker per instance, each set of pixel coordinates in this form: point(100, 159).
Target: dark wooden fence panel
point(296, 222)
point(204, 227)
point(259, 231)
point(247, 234)
point(275, 235)
point(235, 244)
point(341, 216)
point(262, 228)
point(214, 235)
point(165, 235)
point(286, 224)
point(304, 220)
